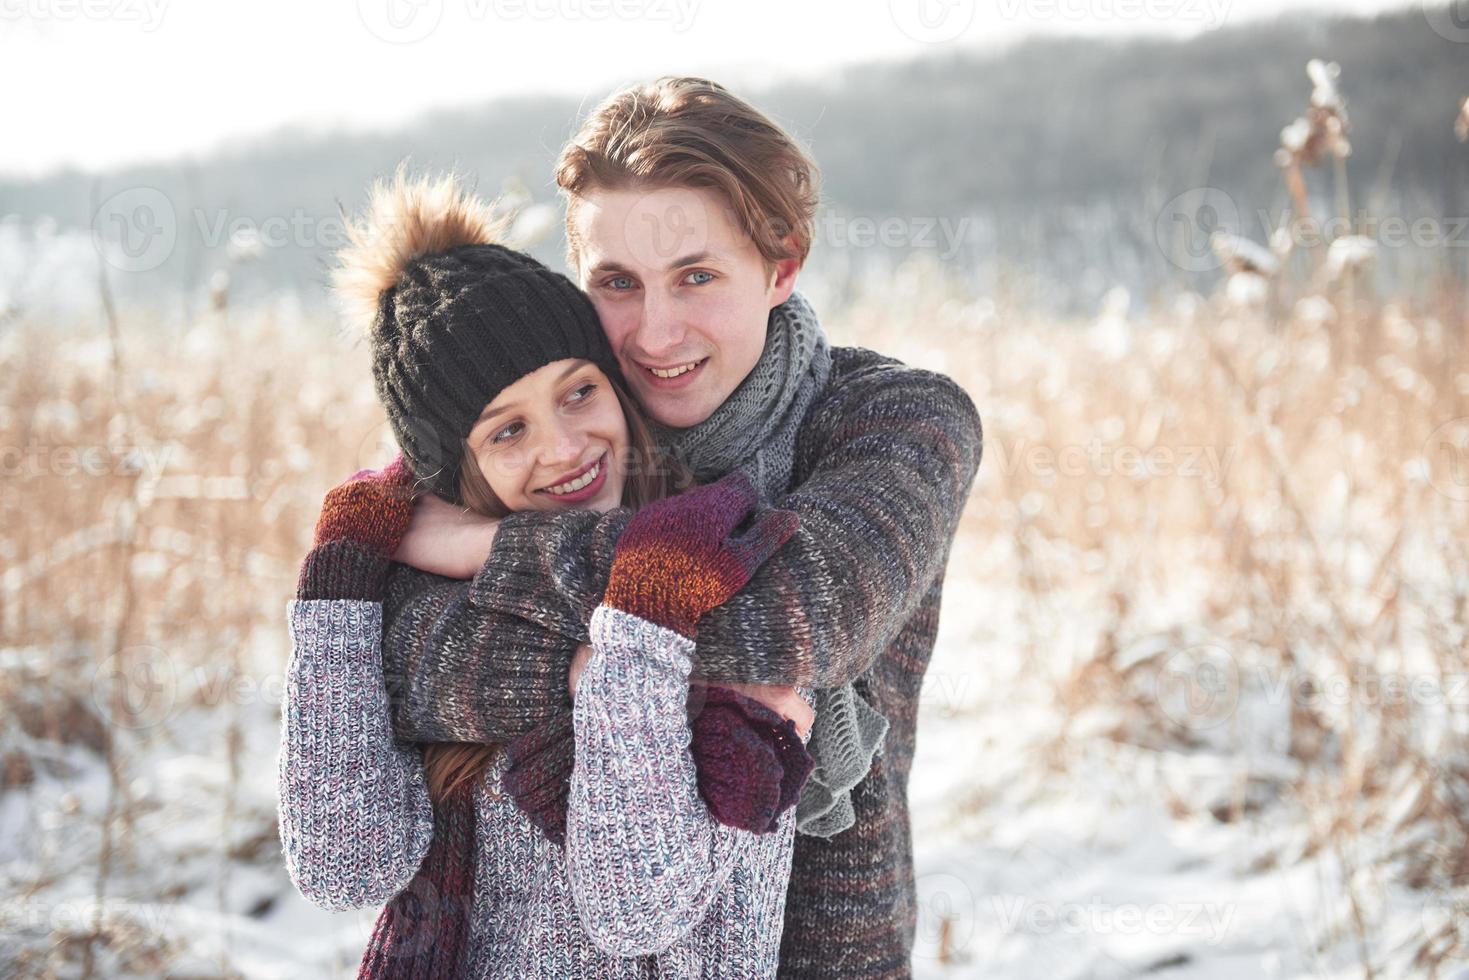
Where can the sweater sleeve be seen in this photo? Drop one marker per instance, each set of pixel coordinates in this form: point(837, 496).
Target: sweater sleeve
point(355, 816)
point(885, 462)
point(644, 856)
point(460, 672)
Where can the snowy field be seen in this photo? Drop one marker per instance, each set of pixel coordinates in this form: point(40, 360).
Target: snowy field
point(1197, 707)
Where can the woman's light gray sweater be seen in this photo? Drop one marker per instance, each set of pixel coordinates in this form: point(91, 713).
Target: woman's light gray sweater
point(649, 884)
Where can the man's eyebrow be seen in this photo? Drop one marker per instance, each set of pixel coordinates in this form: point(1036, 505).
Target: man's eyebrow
point(490, 413)
point(608, 266)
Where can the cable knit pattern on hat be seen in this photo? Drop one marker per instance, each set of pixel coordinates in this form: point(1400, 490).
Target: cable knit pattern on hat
point(648, 883)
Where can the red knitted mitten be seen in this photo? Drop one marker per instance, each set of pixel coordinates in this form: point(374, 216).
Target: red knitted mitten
point(362, 520)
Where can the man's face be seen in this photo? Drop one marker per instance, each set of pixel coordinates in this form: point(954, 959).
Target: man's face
point(683, 294)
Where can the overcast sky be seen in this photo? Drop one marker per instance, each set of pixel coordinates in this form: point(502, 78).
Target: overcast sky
point(94, 83)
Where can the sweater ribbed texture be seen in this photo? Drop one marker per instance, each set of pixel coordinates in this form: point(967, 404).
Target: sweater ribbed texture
point(648, 883)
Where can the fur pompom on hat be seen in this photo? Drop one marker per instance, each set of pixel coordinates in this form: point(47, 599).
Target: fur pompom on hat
point(453, 315)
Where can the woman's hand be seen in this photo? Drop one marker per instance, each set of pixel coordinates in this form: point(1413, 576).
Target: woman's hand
point(445, 539)
point(779, 698)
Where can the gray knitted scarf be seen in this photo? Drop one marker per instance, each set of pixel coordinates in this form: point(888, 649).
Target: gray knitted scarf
point(755, 430)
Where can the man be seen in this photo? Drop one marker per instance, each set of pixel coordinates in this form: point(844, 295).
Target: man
point(689, 217)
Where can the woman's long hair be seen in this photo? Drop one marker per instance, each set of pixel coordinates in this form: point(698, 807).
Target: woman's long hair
point(651, 475)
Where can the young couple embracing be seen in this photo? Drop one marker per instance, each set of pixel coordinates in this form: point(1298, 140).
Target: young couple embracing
point(614, 671)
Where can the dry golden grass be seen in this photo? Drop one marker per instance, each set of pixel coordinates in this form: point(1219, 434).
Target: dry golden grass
point(1326, 537)
point(1320, 560)
point(1253, 506)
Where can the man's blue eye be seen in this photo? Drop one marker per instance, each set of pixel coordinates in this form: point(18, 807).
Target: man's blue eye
point(701, 272)
point(613, 283)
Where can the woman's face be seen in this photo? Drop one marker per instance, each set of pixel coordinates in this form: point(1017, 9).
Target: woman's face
point(555, 438)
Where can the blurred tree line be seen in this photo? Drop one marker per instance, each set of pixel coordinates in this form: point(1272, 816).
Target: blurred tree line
point(1058, 153)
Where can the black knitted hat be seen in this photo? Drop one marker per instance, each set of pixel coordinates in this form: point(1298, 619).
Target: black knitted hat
point(457, 319)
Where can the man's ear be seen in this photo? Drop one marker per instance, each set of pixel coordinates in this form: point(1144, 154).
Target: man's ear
point(783, 281)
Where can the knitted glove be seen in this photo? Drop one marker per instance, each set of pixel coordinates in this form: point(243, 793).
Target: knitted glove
point(361, 523)
point(751, 761)
point(678, 557)
point(538, 773)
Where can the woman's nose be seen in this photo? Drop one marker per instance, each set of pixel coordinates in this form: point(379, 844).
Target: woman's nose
point(563, 444)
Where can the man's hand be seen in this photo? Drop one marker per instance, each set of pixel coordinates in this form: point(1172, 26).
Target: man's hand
point(445, 539)
point(578, 664)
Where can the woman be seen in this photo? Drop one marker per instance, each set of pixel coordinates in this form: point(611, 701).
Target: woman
point(503, 394)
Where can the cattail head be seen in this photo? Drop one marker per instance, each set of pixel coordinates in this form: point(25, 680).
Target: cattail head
point(1322, 131)
point(1239, 254)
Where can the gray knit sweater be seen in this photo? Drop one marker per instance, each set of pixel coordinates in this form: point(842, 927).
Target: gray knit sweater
point(649, 884)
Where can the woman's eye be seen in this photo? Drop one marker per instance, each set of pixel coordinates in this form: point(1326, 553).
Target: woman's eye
point(509, 432)
point(582, 393)
point(698, 272)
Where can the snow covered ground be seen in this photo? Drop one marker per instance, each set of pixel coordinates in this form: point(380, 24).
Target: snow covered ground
point(1032, 860)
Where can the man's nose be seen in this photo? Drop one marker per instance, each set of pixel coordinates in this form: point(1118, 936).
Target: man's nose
point(661, 331)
